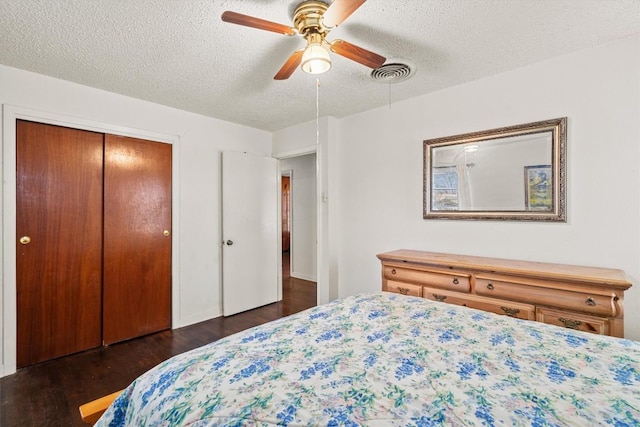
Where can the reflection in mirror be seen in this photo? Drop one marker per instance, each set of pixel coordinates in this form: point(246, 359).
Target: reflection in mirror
point(508, 173)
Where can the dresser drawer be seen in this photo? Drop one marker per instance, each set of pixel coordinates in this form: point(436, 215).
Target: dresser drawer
point(509, 308)
point(580, 322)
point(404, 288)
point(579, 301)
point(456, 282)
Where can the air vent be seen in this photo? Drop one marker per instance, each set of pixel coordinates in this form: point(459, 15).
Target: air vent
point(394, 71)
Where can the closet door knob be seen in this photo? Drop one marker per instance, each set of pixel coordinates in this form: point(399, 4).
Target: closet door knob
point(25, 240)
point(166, 233)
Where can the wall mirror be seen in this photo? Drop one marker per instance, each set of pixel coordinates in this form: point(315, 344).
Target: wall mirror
point(511, 173)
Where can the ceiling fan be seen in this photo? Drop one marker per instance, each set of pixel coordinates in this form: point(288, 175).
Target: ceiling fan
point(313, 20)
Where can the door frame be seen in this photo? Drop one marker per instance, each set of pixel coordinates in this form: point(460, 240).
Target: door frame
point(321, 286)
point(8, 309)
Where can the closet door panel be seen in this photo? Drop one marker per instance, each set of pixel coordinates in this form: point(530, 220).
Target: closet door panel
point(59, 247)
point(137, 238)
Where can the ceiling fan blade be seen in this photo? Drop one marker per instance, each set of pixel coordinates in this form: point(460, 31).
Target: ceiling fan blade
point(261, 24)
point(358, 54)
point(339, 11)
point(290, 66)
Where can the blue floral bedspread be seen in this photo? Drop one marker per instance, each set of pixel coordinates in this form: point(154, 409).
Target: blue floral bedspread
point(390, 360)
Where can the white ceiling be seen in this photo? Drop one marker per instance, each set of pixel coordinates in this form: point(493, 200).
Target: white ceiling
point(179, 53)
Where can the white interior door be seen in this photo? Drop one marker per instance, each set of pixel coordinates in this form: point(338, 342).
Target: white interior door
point(249, 231)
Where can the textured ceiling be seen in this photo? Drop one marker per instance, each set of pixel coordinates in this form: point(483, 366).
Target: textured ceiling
point(179, 52)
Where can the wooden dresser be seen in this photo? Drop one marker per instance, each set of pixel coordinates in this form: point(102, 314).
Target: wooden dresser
point(585, 298)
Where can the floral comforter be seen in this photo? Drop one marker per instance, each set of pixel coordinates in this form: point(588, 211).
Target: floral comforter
point(391, 360)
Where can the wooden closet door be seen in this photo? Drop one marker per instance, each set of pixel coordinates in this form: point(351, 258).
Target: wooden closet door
point(137, 240)
point(59, 247)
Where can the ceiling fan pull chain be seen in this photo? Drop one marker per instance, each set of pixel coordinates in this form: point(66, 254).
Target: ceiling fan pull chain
point(317, 111)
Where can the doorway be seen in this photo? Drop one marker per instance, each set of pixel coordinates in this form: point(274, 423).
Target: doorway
point(299, 225)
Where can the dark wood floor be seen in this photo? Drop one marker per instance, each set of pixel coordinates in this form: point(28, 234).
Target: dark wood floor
point(48, 394)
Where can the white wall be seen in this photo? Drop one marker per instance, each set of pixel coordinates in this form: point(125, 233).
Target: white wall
point(372, 184)
point(380, 170)
point(198, 141)
point(303, 215)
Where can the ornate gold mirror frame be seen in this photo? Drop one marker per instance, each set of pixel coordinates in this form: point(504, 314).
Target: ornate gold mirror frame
point(510, 173)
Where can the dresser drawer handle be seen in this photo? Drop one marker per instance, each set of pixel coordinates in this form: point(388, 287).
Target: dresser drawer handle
point(570, 323)
point(393, 271)
point(490, 286)
point(455, 281)
point(511, 312)
point(439, 297)
point(590, 301)
point(403, 291)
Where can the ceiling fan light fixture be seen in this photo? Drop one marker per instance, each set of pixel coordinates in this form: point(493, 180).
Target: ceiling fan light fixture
point(315, 59)
point(313, 20)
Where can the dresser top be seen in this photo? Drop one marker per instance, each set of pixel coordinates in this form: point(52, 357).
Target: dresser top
point(610, 276)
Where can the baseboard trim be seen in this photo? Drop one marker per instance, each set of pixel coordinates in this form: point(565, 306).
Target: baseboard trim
point(193, 319)
point(303, 276)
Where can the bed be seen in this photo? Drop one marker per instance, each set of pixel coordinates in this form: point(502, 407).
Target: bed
point(386, 359)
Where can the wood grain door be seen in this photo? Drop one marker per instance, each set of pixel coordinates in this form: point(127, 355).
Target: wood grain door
point(137, 240)
point(59, 247)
